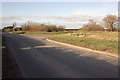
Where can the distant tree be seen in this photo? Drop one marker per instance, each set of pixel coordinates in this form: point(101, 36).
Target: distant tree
point(92, 26)
point(8, 29)
point(60, 28)
point(20, 28)
point(25, 27)
point(52, 28)
point(17, 29)
point(41, 27)
point(110, 21)
point(14, 24)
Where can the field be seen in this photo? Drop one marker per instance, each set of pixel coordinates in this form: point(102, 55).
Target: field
point(28, 32)
point(103, 41)
point(102, 35)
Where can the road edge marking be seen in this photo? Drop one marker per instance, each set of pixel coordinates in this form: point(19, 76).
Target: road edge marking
point(100, 52)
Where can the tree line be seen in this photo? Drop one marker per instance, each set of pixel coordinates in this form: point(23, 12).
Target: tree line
point(110, 24)
point(30, 26)
point(41, 27)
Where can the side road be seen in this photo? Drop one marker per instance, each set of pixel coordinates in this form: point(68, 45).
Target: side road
point(113, 59)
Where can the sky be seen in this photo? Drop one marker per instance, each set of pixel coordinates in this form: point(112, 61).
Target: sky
point(68, 14)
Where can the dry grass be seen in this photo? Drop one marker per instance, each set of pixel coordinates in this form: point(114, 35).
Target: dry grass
point(103, 41)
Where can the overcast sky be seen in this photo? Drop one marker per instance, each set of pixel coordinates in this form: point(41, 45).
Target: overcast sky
point(69, 14)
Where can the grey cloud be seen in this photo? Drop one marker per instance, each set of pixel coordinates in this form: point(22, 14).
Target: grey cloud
point(10, 18)
point(69, 20)
point(76, 20)
point(73, 18)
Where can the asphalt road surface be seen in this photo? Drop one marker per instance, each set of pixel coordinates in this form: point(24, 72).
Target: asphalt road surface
point(38, 58)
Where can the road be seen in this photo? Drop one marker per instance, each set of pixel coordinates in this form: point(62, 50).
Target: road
point(38, 58)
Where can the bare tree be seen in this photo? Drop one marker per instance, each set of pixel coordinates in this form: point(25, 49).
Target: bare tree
point(110, 21)
point(92, 26)
point(14, 24)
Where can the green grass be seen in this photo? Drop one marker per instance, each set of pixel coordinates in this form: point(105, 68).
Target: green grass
point(62, 32)
point(18, 32)
point(28, 32)
point(98, 40)
point(95, 44)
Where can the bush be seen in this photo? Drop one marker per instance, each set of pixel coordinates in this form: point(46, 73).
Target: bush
point(41, 27)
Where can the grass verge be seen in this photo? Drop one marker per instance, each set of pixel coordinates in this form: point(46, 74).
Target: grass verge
point(101, 35)
point(62, 32)
point(92, 43)
point(18, 32)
